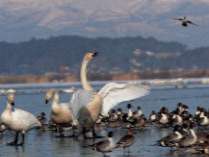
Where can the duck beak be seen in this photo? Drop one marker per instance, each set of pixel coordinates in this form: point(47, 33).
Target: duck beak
point(46, 101)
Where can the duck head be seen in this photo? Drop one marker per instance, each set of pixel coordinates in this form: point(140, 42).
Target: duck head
point(129, 106)
point(138, 107)
point(119, 110)
point(110, 134)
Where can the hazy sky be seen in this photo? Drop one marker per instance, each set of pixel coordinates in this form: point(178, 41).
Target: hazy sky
point(24, 19)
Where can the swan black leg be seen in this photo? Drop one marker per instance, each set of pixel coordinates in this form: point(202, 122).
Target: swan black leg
point(74, 129)
point(60, 132)
point(84, 132)
point(94, 133)
point(13, 143)
point(23, 140)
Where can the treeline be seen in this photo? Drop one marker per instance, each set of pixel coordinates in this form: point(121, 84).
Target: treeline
point(64, 54)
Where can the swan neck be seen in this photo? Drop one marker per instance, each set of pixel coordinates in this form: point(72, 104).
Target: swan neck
point(83, 76)
point(55, 103)
point(55, 100)
point(9, 106)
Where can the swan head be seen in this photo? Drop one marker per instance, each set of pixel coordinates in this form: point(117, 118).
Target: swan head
point(48, 96)
point(11, 98)
point(51, 95)
point(90, 55)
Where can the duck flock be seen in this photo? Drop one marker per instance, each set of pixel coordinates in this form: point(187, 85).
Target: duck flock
point(93, 114)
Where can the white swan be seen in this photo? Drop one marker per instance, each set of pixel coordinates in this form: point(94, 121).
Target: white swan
point(18, 120)
point(88, 104)
point(61, 113)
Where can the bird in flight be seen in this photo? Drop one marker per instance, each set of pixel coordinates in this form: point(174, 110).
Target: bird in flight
point(185, 22)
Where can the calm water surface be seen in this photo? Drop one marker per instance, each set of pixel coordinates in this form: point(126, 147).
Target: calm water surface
point(39, 144)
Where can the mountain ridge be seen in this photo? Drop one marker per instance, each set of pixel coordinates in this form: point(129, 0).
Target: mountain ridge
point(64, 54)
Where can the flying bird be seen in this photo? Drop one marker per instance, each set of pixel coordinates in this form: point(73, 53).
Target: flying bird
point(185, 22)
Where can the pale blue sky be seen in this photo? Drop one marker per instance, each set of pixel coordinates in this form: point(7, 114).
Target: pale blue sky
point(24, 19)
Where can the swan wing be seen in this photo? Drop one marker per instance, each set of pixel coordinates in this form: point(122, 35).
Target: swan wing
point(25, 118)
point(80, 99)
point(67, 106)
point(115, 93)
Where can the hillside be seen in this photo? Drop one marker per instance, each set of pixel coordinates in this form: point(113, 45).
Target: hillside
point(63, 54)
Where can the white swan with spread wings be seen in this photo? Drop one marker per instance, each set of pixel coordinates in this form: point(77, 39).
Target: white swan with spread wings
point(87, 104)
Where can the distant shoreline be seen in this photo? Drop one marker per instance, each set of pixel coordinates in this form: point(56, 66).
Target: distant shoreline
point(71, 78)
point(155, 84)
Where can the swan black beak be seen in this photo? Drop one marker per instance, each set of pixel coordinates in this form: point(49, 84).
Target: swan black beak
point(13, 103)
point(95, 54)
point(46, 101)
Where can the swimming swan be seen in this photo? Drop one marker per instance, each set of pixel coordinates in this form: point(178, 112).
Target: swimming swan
point(88, 104)
point(18, 120)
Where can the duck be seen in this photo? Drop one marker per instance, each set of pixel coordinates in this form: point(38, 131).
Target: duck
point(106, 145)
point(185, 22)
point(61, 113)
point(42, 118)
point(113, 116)
point(153, 116)
point(188, 140)
point(181, 108)
point(203, 148)
point(177, 119)
point(88, 104)
point(164, 118)
point(130, 112)
point(126, 141)
point(120, 113)
point(172, 138)
point(18, 120)
point(141, 122)
point(198, 110)
point(204, 121)
point(114, 120)
point(139, 112)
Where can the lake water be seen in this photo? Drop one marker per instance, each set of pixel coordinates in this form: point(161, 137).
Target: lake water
point(44, 144)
